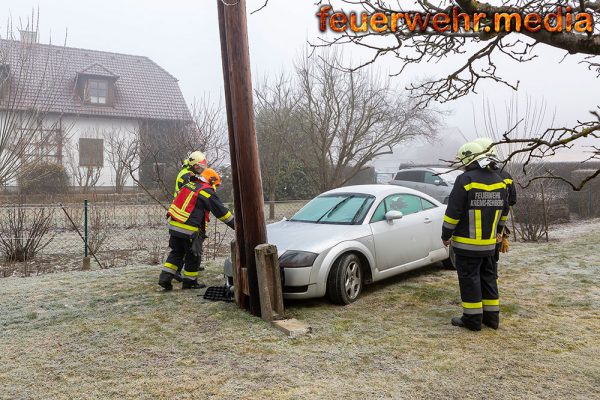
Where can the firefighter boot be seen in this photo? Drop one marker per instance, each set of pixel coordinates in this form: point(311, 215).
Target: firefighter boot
point(491, 319)
point(192, 284)
point(164, 280)
point(459, 321)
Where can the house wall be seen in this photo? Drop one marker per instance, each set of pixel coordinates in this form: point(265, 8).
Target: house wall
point(75, 127)
point(96, 128)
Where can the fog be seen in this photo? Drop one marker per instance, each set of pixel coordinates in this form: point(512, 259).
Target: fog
point(183, 38)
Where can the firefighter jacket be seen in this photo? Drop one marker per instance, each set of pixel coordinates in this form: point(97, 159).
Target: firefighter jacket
point(477, 209)
point(189, 212)
point(183, 177)
point(510, 186)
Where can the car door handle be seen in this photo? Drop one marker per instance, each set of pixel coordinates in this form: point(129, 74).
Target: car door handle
point(428, 220)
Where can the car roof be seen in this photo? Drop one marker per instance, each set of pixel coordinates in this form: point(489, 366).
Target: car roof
point(428, 168)
point(377, 190)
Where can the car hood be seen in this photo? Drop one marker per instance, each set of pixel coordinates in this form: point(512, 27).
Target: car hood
point(316, 238)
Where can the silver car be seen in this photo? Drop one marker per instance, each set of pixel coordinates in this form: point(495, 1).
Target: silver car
point(352, 236)
point(434, 181)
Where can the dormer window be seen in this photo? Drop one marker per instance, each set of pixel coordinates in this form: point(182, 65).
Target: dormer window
point(95, 85)
point(96, 91)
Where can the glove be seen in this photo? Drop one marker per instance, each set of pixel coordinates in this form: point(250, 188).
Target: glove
point(197, 241)
point(505, 245)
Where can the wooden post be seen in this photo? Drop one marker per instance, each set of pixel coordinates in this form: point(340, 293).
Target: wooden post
point(242, 301)
point(269, 282)
point(241, 114)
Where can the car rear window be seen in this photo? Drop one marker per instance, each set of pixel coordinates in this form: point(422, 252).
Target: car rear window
point(410, 176)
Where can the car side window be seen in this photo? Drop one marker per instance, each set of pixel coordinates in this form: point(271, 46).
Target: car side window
point(405, 203)
point(379, 214)
point(426, 204)
point(410, 176)
point(430, 178)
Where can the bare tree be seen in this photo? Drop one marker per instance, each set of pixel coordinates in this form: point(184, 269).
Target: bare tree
point(86, 177)
point(121, 150)
point(209, 133)
point(276, 130)
point(348, 118)
point(480, 49)
point(154, 157)
point(30, 84)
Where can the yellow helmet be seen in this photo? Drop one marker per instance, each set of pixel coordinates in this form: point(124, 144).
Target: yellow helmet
point(196, 158)
point(470, 152)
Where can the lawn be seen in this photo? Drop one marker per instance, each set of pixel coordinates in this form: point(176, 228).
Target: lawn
point(112, 334)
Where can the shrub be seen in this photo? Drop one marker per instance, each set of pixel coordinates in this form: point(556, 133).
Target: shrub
point(43, 177)
point(24, 232)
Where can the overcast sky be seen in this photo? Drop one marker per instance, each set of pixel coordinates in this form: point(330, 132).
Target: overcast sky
point(182, 36)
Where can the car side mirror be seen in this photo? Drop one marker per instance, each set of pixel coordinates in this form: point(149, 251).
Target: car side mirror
point(437, 182)
point(392, 215)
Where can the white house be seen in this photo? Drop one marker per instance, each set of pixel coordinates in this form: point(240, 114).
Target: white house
point(86, 103)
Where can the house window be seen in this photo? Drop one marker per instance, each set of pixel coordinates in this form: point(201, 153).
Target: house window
point(91, 152)
point(96, 91)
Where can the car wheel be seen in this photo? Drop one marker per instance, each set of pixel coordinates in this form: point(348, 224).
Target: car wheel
point(345, 281)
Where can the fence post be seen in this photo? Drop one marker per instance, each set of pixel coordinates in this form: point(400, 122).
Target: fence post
point(86, 259)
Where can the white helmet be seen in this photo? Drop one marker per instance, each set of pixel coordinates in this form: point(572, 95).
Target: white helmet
point(196, 158)
point(486, 144)
point(470, 152)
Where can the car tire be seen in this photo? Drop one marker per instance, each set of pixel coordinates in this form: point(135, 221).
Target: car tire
point(345, 281)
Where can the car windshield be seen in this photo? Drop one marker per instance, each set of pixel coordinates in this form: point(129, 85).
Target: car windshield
point(448, 175)
point(338, 208)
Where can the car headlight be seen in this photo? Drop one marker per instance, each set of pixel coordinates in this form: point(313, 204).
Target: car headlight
point(297, 259)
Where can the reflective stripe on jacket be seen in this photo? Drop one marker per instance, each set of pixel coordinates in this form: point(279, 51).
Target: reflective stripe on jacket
point(190, 210)
point(477, 208)
point(183, 177)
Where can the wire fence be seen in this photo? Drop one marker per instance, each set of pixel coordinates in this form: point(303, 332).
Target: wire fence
point(36, 239)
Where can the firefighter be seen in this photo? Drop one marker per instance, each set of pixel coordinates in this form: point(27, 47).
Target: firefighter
point(477, 209)
point(502, 240)
point(191, 169)
point(192, 166)
point(188, 219)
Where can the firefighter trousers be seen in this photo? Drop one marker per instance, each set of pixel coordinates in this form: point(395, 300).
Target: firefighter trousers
point(478, 290)
point(182, 257)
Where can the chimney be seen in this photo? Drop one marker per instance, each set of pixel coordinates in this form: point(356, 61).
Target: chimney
point(28, 37)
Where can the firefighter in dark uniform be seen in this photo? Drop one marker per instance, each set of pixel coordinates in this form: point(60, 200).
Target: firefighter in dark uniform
point(503, 244)
point(188, 218)
point(477, 210)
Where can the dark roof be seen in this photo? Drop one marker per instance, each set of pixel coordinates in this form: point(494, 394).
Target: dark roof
point(98, 70)
point(142, 88)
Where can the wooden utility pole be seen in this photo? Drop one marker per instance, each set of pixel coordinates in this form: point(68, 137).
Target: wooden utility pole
point(248, 197)
point(238, 257)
